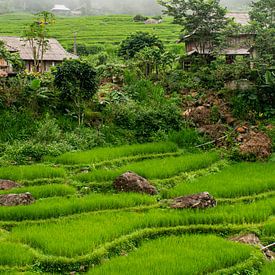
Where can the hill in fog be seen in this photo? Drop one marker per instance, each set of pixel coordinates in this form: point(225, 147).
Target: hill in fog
point(148, 7)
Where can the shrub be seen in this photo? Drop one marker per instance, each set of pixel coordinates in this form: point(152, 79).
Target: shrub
point(136, 42)
point(140, 18)
point(77, 82)
point(186, 138)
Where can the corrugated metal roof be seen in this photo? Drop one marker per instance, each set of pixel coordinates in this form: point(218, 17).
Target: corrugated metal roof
point(60, 8)
point(55, 51)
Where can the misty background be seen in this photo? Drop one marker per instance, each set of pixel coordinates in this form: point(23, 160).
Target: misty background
point(101, 7)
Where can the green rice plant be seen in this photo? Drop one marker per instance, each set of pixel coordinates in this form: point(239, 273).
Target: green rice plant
point(155, 168)
point(96, 30)
point(42, 181)
point(110, 153)
point(30, 172)
point(45, 191)
point(61, 206)
point(268, 269)
point(13, 254)
point(79, 236)
point(244, 179)
point(269, 228)
point(187, 254)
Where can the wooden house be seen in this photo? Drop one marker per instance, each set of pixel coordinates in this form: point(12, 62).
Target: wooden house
point(54, 54)
point(5, 67)
point(236, 44)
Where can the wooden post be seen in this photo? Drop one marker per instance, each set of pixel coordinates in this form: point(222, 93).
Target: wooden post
point(75, 45)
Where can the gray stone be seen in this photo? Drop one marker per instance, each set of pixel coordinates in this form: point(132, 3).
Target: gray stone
point(200, 200)
point(131, 182)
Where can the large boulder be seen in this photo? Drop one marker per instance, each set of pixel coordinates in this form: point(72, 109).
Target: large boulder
point(131, 182)
point(8, 184)
point(16, 199)
point(200, 200)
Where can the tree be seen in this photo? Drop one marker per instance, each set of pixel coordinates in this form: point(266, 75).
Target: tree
point(77, 82)
point(263, 13)
point(153, 60)
point(36, 35)
point(202, 20)
point(262, 24)
point(136, 42)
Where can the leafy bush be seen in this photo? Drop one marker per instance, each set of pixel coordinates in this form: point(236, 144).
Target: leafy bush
point(186, 138)
point(136, 42)
point(77, 82)
point(140, 18)
point(83, 49)
point(144, 119)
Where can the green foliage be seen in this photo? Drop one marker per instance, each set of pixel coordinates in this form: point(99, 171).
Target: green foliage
point(152, 60)
point(136, 42)
point(262, 16)
point(186, 138)
point(84, 50)
point(77, 82)
point(143, 120)
point(262, 13)
point(140, 18)
point(36, 35)
point(204, 21)
point(13, 59)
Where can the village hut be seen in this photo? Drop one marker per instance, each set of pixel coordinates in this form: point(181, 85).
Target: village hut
point(54, 54)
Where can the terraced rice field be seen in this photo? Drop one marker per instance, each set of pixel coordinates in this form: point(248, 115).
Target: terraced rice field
point(92, 30)
point(80, 223)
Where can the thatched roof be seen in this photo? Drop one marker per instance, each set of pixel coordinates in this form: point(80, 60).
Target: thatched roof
point(227, 51)
point(239, 17)
point(55, 51)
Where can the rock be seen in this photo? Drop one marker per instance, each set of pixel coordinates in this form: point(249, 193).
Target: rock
point(252, 239)
point(200, 200)
point(241, 130)
point(256, 144)
point(248, 239)
point(131, 182)
point(16, 199)
point(8, 184)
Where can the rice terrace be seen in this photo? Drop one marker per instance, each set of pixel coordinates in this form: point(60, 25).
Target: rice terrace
point(137, 137)
point(79, 220)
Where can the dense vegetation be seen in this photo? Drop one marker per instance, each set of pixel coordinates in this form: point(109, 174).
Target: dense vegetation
point(122, 106)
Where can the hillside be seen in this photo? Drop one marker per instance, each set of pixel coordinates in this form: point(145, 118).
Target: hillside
point(91, 30)
point(101, 7)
